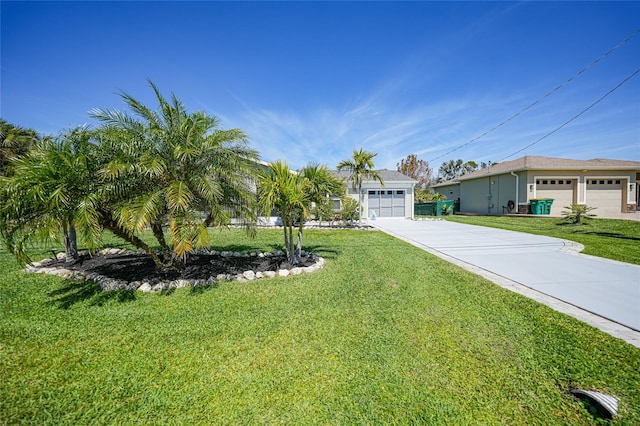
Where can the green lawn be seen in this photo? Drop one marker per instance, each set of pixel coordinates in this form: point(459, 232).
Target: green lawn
point(385, 334)
point(615, 239)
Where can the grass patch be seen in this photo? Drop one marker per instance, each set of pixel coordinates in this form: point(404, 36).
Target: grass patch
point(615, 239)
point(385, 334)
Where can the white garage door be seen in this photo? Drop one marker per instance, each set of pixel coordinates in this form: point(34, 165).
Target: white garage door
point(605, 195)
point(386, 203)
point(561, 190)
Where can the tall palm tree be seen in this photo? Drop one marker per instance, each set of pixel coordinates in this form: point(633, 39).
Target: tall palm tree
point(171, 166)
point(360, 167)
point(320, 183)
point(51, 192)
point(284, 190)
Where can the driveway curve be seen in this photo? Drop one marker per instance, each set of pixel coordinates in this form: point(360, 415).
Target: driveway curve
point(608, 291)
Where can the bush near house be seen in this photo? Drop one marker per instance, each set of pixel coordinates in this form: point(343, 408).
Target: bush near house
point(576, 213)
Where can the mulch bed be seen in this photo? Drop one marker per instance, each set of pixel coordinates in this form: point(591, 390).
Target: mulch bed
point(140, 267)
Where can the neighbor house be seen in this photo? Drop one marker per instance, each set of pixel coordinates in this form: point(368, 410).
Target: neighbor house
point(611, 186)
point(394, 199)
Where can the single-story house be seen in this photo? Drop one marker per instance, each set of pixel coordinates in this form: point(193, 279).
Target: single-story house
point(611, 186)
point(394, 199)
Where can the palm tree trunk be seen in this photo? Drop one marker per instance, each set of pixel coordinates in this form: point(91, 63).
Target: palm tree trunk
point(360, 206)
point(158, 232)
point(121, 232)
point(70, 243)
point(298, 256)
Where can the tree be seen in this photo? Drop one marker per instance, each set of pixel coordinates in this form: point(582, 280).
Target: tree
point(426, 196)
point(282, 189)
point(416, 169)
point(320, 183)
point(455, 168)
point(14, 142)
point(171, 166)
point(51, 193)
point(360, 167)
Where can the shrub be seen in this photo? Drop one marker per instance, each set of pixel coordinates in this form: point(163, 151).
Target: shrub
point(349, 212)
point(577, 212)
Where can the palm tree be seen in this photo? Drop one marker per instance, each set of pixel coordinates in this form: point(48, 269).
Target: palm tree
point(51, 192)
point(320, 183)
point(14, 142)
point(284, 190)
point(170, 166)
point(455, 168)
point(360, 168)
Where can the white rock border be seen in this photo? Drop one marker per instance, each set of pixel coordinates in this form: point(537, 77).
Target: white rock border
point(110, 284)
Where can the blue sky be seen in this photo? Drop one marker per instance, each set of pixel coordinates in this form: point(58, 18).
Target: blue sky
point(312, 81)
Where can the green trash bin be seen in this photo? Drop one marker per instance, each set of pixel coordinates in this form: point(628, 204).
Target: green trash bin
point(444, 208)
point(537, 206)
point(547, 205)
point(424, 209)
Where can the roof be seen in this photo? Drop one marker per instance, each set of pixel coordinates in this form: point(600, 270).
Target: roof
point(386, 175)
point(531, 162)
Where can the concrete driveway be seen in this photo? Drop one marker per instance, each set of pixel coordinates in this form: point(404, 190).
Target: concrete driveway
point(604, 293)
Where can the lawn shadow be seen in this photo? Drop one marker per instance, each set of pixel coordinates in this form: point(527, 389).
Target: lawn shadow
point(200, 289)
point(240, 248)
point(613, 235)
point(73, 292)
point(323, 251)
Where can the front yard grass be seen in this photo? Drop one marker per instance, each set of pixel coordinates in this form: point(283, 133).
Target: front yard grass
point(385, 334)
point(614, 239)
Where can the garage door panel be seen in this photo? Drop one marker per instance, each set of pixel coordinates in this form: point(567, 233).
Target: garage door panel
point(605, 195)
point(387, 203)
point(562, 191)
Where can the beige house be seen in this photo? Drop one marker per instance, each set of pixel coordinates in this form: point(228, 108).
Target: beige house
point(611, 186)
point(394, 199)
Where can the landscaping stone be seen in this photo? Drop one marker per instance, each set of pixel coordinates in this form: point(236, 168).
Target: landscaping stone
point(54, 267)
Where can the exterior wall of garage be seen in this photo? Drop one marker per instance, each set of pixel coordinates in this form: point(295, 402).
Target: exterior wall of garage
point(614, 192)
point(452, 192)
point(390, 186)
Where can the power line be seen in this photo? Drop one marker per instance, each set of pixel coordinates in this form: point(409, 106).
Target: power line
point(575, 116)
point(537, 101)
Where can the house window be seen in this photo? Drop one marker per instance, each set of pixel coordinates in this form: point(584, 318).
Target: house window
point(372, 192)
point(400, 192)
point(553, 182)
point(601, 182)
point(560, 182)
point(617, 182)
point(544, 182)
point(537, 182)
point(610, 182)
point(389, 192)
point(336, 205)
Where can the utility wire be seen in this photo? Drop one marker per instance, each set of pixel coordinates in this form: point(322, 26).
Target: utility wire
point(537, 101)
point(575, 116)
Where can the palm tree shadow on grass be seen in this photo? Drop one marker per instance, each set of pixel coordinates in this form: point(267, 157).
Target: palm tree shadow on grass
point(73, 292)
point(613, 235)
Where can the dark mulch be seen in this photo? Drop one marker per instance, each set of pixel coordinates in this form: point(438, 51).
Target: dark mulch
point(139, 267)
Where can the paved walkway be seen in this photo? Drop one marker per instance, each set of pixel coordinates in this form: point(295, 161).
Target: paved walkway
point(601, 292)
